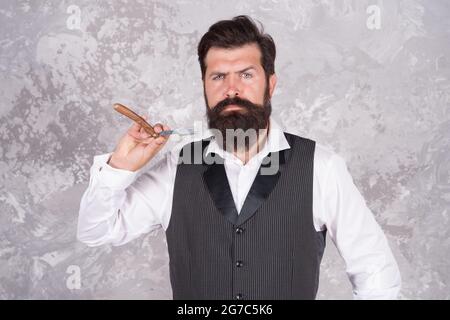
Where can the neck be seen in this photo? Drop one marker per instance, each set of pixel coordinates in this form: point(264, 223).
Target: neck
point(246, 155)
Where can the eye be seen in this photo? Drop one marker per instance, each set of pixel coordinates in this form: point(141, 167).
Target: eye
point(218, 77)
point(247, 75)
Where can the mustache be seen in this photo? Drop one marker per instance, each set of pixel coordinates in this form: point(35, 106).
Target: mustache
point(219, 107)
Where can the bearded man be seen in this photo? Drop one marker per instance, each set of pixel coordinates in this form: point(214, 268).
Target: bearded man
point(235, 231)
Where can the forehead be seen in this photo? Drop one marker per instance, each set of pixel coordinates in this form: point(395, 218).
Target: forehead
point(221, 58)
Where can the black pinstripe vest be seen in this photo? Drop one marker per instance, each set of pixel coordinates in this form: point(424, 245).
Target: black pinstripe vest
point(269, 251)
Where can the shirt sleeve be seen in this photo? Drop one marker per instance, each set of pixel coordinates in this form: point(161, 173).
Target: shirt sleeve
point(120, 205)
point(370, 264)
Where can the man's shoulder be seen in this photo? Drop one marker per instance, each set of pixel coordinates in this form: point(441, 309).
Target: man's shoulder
point(291, 137)
point(324, 154)
point(326, 159)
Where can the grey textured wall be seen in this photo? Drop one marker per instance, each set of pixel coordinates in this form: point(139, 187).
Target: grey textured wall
point(375, 90)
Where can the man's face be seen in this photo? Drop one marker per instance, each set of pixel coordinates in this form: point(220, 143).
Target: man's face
point(237, 92)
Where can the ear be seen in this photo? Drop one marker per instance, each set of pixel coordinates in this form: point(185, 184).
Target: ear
point(272, 83)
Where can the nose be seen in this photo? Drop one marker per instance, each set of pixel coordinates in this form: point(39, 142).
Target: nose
point(232, 89)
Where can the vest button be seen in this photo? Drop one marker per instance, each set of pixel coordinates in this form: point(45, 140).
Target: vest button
point(239, 230)
point(239, 296)
point(239, 264)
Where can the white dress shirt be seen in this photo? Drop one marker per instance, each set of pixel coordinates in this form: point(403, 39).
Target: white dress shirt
point(120, 205)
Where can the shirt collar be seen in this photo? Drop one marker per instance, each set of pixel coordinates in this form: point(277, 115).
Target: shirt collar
point(276, 141)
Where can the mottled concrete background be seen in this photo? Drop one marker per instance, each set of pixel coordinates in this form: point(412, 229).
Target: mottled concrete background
point(374, 90)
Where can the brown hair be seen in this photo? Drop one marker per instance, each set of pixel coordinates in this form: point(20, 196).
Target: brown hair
point(234, 33)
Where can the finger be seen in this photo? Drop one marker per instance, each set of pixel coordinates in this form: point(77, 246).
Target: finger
point(136, 130)
point(155, 141)
point(148, 139)
point(158, 127)
point(166, 128)
point(144, 134)
point(135, 127)
point(136, 133)
point(162, 139)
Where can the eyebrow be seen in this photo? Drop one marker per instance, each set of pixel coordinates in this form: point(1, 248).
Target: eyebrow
point(216, 73)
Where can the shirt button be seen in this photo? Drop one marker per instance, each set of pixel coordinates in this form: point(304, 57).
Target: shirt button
point(239, 264)
point(100, 169)
point(239, 230)
point(239, 296)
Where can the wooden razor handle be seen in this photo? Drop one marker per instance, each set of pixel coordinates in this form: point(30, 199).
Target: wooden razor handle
point(136, 118)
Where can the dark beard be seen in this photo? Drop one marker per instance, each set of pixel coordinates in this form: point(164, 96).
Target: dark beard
point(249, 116)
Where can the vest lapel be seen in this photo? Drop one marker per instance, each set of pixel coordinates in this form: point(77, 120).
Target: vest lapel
point(261, 188)
point(215, 179)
